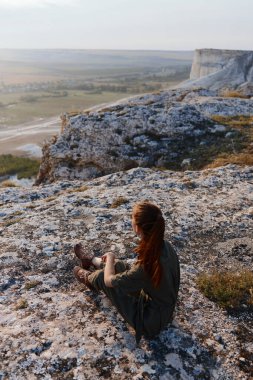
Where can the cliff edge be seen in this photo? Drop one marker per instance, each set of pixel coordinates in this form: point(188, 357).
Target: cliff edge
point(175, 129)
point(218, 69)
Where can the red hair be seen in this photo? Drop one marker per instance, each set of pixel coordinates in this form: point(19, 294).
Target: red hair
point(148, 217)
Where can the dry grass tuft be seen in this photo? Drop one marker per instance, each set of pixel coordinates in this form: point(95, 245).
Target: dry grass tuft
point(32, 206)
point(49, 199)
point(188, 183)
point(32, 284)
point(78, 189)
point(234, 121)
point(8, 183)
point(233, 94)
point(241, 159)
point(22, 304)
point(229, 289)
point(118, 202)
point(243, 156)
point(11, 221)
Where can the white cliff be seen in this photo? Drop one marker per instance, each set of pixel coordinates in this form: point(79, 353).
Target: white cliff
point(222, 69)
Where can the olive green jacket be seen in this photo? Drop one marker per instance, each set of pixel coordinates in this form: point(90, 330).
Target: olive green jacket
point(155, 306)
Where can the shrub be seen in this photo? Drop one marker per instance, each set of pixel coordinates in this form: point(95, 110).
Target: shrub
point(230, 289)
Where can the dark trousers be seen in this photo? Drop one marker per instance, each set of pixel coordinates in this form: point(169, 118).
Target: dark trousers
point(125, 303)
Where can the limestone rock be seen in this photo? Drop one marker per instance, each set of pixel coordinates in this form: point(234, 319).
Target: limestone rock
point(53, 328)
point(222, 69)
point(153, 130)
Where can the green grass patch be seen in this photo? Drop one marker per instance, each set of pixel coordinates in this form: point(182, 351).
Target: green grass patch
point(25, 107)
point(24, 167)
point(230, 289)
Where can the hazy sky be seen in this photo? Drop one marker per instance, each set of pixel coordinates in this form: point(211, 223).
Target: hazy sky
point(127, 24)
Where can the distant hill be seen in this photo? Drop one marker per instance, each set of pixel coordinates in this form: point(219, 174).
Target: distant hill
point(98, 58)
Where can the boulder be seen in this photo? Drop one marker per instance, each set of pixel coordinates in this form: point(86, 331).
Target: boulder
point(150, 131)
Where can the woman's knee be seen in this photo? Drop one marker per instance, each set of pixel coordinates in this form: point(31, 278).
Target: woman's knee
point(121, 266)
point(97, 279)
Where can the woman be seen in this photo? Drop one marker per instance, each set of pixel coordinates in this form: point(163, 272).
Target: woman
point(145, 294)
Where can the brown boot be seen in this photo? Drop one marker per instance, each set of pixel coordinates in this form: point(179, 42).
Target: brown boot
point(85, 258)
point(82, 276)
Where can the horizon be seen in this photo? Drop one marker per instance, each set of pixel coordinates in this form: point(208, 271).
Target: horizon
point(105, 49)
point(167, 25)
point(122, 49)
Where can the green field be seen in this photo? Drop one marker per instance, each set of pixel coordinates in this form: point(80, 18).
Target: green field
point(24, 167)
point(14, 110)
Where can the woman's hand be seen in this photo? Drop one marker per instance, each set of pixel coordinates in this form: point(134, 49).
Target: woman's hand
point(108, 256)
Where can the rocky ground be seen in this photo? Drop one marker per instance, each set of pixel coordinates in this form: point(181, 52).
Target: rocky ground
point(175, 129)
point(53, 328)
